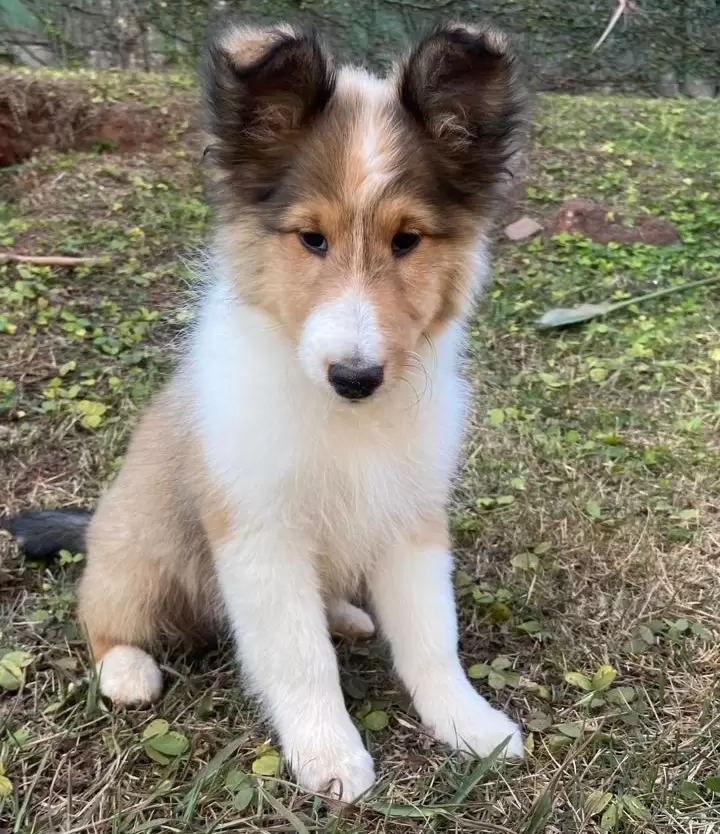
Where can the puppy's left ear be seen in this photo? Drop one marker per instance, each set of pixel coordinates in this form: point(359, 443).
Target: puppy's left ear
point(463, 88)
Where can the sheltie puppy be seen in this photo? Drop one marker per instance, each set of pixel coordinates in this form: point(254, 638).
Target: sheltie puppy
point(303, 450)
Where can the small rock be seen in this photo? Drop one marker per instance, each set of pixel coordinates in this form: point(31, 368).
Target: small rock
point(668, 86)
point(522, 229)
point(701, 87)
point(584, 217)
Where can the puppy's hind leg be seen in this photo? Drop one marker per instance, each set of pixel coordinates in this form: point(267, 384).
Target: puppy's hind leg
point(347, 620)
point(119, 607)
point(148, 567)
point(129, 676)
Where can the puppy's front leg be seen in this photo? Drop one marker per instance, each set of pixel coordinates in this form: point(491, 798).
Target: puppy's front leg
point(278, 619)
point(413, 596)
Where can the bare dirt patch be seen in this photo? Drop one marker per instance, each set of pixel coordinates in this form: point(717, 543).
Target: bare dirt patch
point(37, 113)
point(595, 221)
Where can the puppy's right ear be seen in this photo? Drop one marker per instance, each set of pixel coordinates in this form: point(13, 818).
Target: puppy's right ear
point(260, 89)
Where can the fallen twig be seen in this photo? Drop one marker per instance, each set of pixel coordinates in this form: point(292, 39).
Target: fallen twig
point(621, 9)
point(48, 260)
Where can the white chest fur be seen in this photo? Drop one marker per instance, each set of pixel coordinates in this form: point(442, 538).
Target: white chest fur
point(352, 477)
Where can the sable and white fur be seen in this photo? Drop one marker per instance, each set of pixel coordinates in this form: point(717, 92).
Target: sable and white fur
point(252, 492)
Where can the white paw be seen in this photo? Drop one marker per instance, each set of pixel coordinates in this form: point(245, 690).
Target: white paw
point(347, 620)
point(334, 764)
point(129, 676)
point(464, 720)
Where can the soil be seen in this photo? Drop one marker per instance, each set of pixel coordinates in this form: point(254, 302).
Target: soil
point(36, 114)
point(596, 222)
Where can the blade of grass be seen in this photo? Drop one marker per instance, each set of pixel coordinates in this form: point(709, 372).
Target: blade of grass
point(461, 794)
point(285, 812)
point(411, 812)
point(207, 772)
point(18, 827)
point(476, 774)
point(539, 814)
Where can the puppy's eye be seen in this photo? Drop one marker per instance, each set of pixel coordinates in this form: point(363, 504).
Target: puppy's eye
point(404, 242)
point(314, 242)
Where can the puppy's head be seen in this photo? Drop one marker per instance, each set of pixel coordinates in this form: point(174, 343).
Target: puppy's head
point(353, 209)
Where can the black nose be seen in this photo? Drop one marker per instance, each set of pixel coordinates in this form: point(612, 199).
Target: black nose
point(355, 382)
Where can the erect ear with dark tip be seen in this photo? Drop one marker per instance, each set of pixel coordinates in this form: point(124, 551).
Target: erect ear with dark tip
point(260, 87)
point(462, 86)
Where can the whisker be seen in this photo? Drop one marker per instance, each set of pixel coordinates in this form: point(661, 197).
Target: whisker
point(415, 362)
point(418, 397)
point(433, 351)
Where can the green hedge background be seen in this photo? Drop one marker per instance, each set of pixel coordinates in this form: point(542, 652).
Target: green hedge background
point(654, 39)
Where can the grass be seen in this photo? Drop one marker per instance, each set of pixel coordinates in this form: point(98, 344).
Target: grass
point(586, 518)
